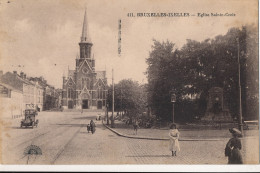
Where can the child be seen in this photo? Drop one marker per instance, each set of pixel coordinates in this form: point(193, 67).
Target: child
point(174, 139)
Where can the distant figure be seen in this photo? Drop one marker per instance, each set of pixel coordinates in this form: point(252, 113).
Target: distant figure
point(98, 117)
point(92, 126)
point(174, 139)
point(88, 127)
point(233, 147)
point(135, 125)
point(81, 110)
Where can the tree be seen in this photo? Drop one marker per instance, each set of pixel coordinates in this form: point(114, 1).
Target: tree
point(192, 70)
point(129, 97)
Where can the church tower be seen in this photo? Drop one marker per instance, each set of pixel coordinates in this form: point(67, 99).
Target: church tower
point(85, 41)
point(85, 88)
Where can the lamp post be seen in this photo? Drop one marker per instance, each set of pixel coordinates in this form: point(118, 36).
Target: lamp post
point(173, 100)
point(113, 100)
point(239, 86)
point(107, 114)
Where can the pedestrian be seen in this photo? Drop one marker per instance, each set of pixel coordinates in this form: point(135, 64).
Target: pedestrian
point(174, 139)
point(135, 125)
point(92, 126)
point(88, 127)
point(233, 147)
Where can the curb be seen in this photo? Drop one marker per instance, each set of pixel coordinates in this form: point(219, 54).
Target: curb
point(151, 138)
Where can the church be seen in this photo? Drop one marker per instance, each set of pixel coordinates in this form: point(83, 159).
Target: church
point(84, 87)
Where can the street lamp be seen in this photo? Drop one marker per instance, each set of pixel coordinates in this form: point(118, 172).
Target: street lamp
point(239, 86)
point(113, 100)
point(173, 100)
point(107, 114)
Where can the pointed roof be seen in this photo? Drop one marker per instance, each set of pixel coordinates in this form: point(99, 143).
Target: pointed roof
point(85, 37)
point(101, 74)
point(102, 81)
point(83, 62)
point(71, 73)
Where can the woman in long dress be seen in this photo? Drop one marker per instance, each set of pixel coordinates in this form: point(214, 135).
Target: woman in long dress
point(233, 148)
point(174, 139)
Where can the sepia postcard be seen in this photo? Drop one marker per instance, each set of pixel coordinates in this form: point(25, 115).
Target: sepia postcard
point(91, 84)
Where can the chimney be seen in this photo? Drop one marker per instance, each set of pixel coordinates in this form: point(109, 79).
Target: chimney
point(15, 72)
point(21, 74)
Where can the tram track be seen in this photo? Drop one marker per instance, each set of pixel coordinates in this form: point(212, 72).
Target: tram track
point(52, 139)
point(42, 134)
point(59, 133)
point(31, 133)
point(65, 146)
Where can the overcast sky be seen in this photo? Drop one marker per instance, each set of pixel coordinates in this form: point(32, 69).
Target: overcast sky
point(39, 34)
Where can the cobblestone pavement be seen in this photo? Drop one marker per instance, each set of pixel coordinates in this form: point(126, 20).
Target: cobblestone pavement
point(63, 139)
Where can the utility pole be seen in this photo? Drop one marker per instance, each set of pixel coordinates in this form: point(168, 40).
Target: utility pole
point(121, 101)
point(172, 112)
point(107, 113)
point(113, 99)
point(239, 86)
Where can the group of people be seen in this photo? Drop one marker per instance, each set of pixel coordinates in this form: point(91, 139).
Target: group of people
point(232, 150)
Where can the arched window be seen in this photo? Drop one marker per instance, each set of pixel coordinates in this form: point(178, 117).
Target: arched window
point(82, 83)
point(85, 82)
point(88, 83)
point(70, 93)
point(99, 93)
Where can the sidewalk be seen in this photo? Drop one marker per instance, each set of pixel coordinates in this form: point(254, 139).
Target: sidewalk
point(124, 130)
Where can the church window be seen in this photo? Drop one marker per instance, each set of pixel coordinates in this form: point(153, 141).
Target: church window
point(85, 82)
point(99, 93)
point(85, 70)
point(88, 83)
point(104, 94)
point(82, 83)
point(70, 92)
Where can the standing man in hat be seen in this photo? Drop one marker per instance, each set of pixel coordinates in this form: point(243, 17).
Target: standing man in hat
point(233, 148)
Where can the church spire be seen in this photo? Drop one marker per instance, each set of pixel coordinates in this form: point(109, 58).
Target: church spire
point(85, 38)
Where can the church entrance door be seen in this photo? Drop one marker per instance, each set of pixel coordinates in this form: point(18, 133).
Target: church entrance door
point(70, 104)
point(84, 104)
point(99, 105)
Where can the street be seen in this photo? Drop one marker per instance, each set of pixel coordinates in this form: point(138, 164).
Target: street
point(63, 139)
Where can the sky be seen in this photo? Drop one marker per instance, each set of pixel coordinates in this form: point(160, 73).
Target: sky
point(40, 37)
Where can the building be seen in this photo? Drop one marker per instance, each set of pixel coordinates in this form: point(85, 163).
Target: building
point(11, 101)
point(32, 91)
point(84, 87)
point(51, 96)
